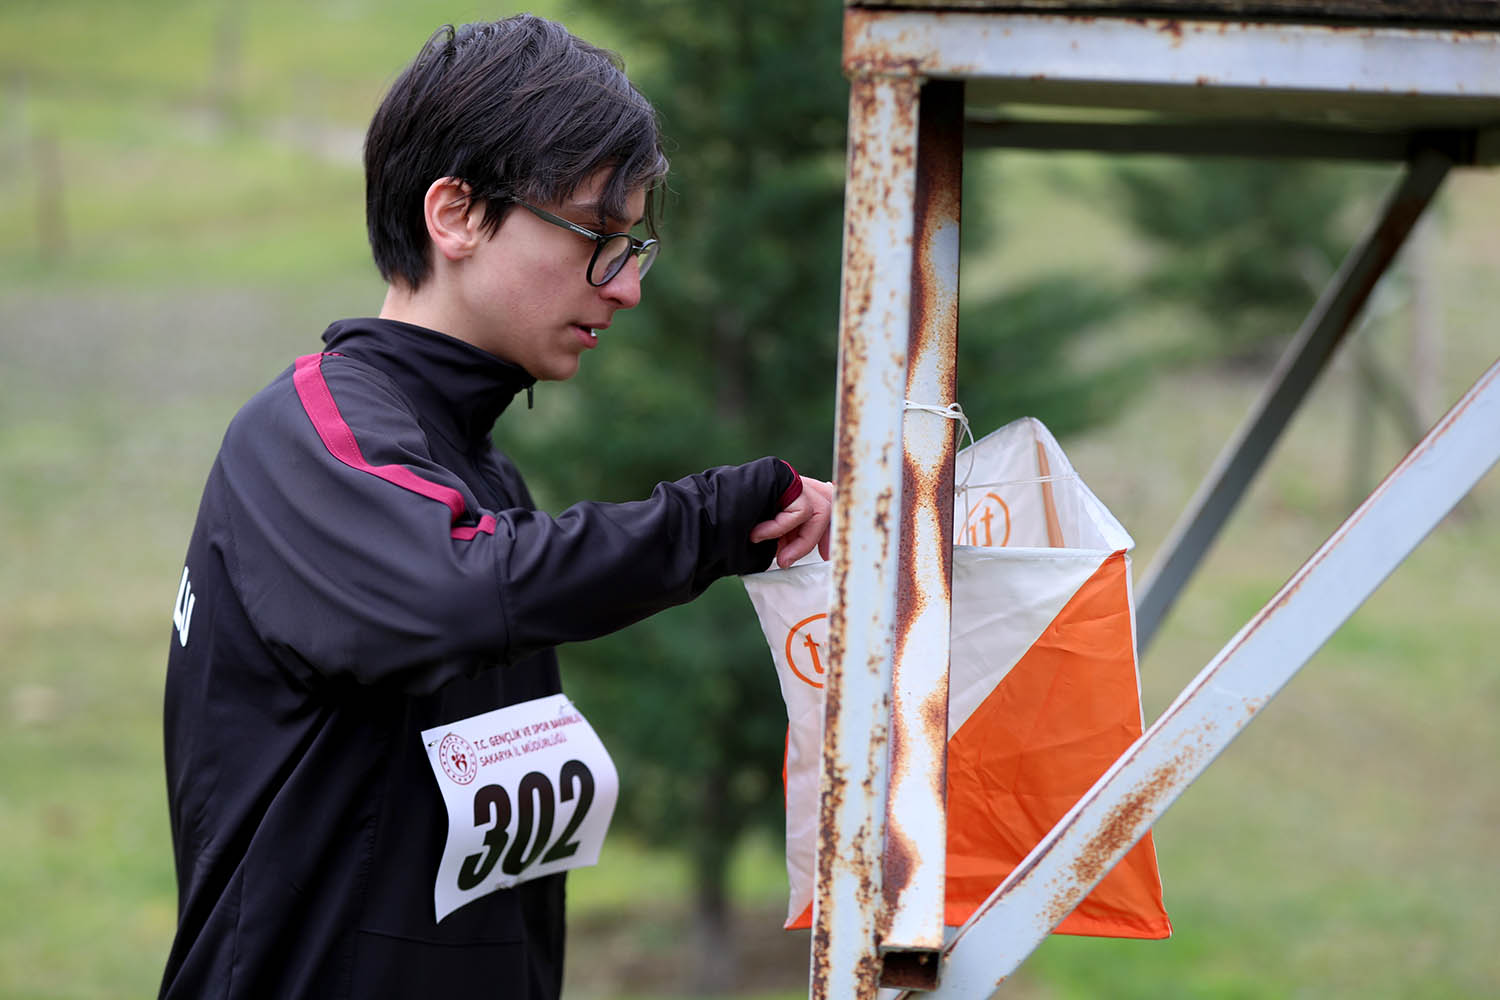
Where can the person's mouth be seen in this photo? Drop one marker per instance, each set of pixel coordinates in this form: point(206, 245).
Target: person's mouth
point(589, 335)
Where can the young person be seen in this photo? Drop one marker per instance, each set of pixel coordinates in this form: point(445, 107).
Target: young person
point(366, 566)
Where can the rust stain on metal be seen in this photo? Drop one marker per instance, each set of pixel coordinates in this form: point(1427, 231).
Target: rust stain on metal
point(859, 264)
point(1125, 825)
point(911, 597)
point(865, 55)
point(938, 186)
point(835, 783)
point(866, 882)
point(883, 513)
point(831, 802)
point(846, 461)
point(833, 688)
point(935, 725)
point(820, 952)
point(902, 859)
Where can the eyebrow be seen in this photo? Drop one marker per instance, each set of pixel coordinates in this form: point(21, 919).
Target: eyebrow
point(595, 210)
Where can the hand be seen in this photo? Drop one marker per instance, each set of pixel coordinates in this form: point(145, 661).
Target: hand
point(803, 524)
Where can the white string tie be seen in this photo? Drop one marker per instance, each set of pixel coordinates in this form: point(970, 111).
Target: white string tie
point(952, 412)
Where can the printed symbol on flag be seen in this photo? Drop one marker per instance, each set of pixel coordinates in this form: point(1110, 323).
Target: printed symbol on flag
point(988, 524)
point(807, 649)
point(458, 758)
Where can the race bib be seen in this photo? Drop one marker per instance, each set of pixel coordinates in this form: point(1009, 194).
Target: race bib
point(530, 791)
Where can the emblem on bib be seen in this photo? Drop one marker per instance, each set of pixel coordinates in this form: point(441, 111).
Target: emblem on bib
point(458, 758)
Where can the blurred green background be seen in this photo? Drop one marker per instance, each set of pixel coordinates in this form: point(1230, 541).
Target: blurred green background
point(181, 214)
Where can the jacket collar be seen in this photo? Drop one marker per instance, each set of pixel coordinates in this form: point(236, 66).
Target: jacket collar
point(458, 388)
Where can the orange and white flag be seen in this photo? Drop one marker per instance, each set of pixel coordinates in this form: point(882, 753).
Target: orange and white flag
point(1043, 690)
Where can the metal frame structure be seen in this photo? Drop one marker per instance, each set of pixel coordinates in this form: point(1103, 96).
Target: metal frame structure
point(1391, 80)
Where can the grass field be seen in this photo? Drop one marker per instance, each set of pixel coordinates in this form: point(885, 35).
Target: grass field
point(1345, 846)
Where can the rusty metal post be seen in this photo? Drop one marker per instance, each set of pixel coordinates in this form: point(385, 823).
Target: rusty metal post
point(1227, 695)
point(874, 326)
point(916, 827)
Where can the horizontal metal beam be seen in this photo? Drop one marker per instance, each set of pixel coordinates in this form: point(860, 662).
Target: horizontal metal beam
point(1444, 78)
point(1479, 14)
point(1227, 695)
point(1256, 140)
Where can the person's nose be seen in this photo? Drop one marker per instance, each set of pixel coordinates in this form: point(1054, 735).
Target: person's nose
point(624, 289)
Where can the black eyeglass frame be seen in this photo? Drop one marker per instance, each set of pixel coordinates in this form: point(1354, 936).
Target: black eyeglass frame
point(644, 251)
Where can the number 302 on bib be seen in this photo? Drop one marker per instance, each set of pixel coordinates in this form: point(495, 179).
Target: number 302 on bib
point(529, 791)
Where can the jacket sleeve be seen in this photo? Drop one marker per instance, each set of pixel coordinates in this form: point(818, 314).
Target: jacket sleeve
point(358, 556)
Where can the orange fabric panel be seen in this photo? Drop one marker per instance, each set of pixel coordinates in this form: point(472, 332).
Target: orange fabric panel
point(1056, 723)
point(1041, 739)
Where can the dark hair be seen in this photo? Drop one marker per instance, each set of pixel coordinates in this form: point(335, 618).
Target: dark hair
point(518, 109)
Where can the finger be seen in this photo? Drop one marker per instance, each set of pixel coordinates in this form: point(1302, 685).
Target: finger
point(823, 518)
point(782, 523)
point(793, 547)
point(808, 535)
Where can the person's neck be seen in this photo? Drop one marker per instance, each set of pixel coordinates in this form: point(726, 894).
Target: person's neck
point(417, 307)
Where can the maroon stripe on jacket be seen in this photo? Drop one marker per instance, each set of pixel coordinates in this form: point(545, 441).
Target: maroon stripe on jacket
point(336, 435)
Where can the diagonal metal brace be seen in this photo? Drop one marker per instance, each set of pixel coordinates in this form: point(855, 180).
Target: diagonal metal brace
point(1309, 353)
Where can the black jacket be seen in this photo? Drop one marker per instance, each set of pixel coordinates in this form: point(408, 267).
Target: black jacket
point(365, 565)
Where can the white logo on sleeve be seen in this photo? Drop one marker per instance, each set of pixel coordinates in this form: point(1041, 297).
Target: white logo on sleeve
point(182, 611)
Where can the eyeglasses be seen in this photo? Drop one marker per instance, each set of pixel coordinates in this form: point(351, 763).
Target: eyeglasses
point(611, 250)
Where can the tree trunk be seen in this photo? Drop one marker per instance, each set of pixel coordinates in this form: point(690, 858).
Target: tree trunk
point(1362, 442)
point(1426, 327)
point(716, 969)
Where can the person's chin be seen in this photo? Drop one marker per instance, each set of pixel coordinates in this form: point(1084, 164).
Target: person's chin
point(561, 370)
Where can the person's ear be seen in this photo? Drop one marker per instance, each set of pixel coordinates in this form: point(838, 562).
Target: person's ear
point(453, 218)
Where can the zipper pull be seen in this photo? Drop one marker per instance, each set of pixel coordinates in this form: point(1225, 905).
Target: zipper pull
point(528, 397)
